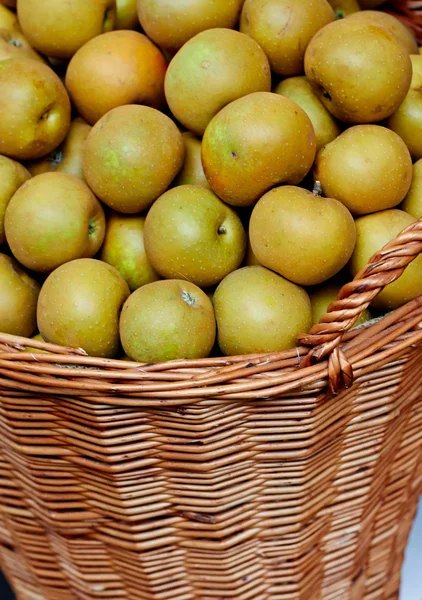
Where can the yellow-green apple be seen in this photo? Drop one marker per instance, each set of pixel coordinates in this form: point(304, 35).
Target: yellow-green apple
point(167, 320)
point(18, 299)
point(124, 248)
point(191, 234)
point(259, 311)
point(53, 218)
point(301, 236)
point(34, 109)
point(60, 28)
point(367, 167)
point(12, 176)
point(255, 143)
point(131, 156)
point(79, 306)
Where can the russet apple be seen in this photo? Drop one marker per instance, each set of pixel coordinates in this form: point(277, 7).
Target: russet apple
point(324, 295)
point(259, 311)
point(373, 232)
point(392, 24)
point(126, 14)
point(368, 168)
point(361, 71)
point(167, 320)
point(67, 158)
point(18, 299)
point(412, 204)
point(113, 69)
point(303, 237)
point(12, 41)
point(58, 29)
point(53, 218)
point(212, 69)
point(34, 109)
point(191, 234)
point(12, 176)
point(284, 28)
point(407, 120)
point(124, 249)
point(192, 172)
point(79, 306)
point(131, 156)
point(255, 143)
point(172, 24)
point(301, 91)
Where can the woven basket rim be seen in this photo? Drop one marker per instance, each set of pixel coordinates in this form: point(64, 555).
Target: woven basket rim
point(330, 354)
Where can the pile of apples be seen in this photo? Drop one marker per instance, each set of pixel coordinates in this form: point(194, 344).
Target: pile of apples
point(181, 179)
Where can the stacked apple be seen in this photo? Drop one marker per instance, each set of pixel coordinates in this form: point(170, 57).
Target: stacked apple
point(218, 175)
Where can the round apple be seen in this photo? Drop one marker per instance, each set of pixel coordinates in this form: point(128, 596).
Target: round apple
point(192, 172)
point(191, 234)
point(373, 232)
point(114, 69)
point(324, 295)
point(407, 120)
point(59, 28)
point(172, 24)
point(392, 24)
point(303, 237)
point(254, 143)
point(361, 71)
point(34, 109)
point(53, 218)
point(126, 14)
point(167, 320)
point(412, 204)
point(79, 306)
point(12, 176)
point(284, 29)
point(301, 91)
point(368, 168)
point(18, 299)
point(259, 311)
point(211, 70)
point(67, 158)
point(131, 156)
point(124, 249)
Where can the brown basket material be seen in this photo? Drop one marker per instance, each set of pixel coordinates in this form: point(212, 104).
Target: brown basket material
point(236, 478)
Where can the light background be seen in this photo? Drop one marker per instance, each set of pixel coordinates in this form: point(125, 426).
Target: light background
point(411, 588)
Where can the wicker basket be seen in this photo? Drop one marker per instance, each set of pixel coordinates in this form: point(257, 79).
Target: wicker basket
point(290, 476)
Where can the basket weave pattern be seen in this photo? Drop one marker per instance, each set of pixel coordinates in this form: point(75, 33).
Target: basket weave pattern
point(290, 476)
point(245, 478)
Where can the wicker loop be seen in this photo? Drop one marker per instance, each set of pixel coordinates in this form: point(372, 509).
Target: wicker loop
point(383, 268)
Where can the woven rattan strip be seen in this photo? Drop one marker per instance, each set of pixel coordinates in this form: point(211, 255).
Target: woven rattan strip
point(290, 476)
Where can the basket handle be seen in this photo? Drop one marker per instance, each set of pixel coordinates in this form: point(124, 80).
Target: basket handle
point(383, 268)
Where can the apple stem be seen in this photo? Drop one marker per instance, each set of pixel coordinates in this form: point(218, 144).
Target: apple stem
point(222, 229)
point(188, 298)
point(317, 191)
